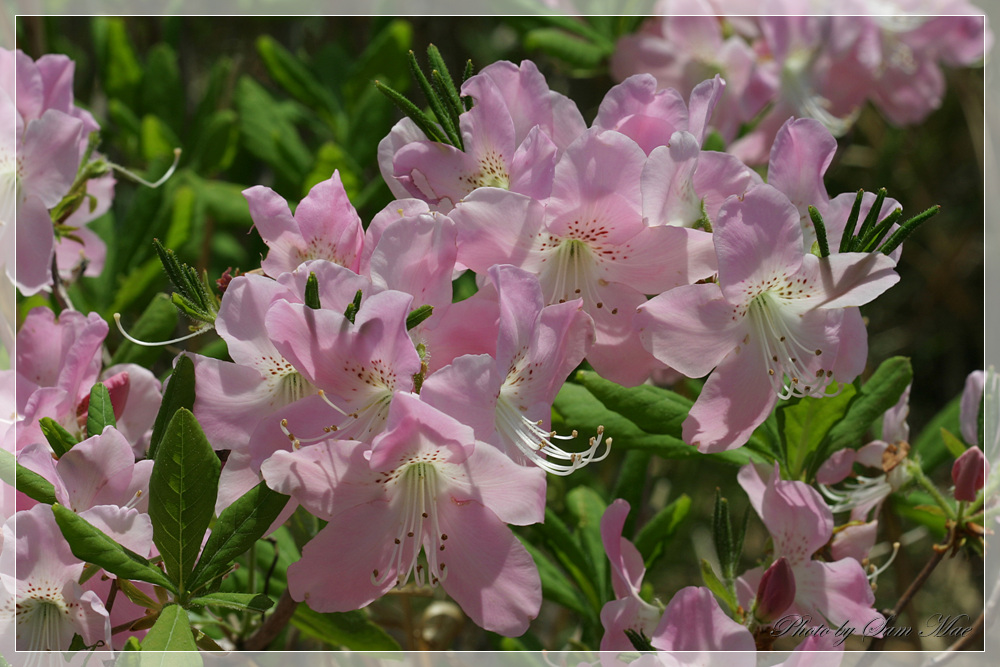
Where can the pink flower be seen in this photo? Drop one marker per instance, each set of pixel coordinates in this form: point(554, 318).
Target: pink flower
point(778, 323)
point(628, 611)
point(800, 524)
point(694, 623)
point(325, 226)
point(424, 483)
point(969, 473)
point(589, 242)
point(47, 606)
point(512, 137)
point(507, 398)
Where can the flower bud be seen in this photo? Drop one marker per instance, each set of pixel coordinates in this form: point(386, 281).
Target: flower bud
point(969, 473)
point(776, 591)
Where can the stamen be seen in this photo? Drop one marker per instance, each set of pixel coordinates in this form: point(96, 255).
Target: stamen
point(876, 571)
point(118, 323)
point(139, 179)
point(536, 444)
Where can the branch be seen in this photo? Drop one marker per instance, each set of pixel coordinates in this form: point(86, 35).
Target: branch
point(273, 624)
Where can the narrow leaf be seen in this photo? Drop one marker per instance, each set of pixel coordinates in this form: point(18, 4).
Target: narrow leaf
point(908, 228)
point(100, 412)
point(715, 585)
point(178, 394)
point(351, 630)
point(631, 484)
point(952, 443)
point(555, 585)
point(871, 218)
point(91, 545)
point(182, 491)
point(437, 107)
point(31, 484)
point(242, 601)
point(820, 227)
point(587, 507)
point(654, 538)
point(58, 438)
point(418, 315)
point(847, 239)
point(312, 292)
point(567, 550)
point(421, 119)
point(238, 527)
point(352, 308)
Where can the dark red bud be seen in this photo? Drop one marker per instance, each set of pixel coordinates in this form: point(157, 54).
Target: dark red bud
point(776, 591)
point(969, 473)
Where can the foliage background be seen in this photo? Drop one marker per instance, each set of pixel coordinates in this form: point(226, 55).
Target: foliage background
point(282, 102)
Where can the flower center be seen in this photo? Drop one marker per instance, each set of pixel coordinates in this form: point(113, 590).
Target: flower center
point(41, 622)
point(492, 172)
point(418, 498)
point(794, 368)
point(572, 274)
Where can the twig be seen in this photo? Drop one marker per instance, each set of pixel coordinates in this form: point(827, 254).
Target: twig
point(273, 624)
point(910, 592)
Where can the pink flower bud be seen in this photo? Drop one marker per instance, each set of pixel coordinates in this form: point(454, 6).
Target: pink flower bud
point(969, 473)
point(776, 591)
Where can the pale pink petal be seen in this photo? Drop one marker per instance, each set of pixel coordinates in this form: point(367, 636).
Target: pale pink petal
point(34, 248)
point(127, 526)
point(533, 165)
point(514, 493)
point(801, 153)
point(51, 156)
point(563, 336)
point(71, 255)
point(735, 400)
point(488, 572)
point(627, 567)
point(241, 320)
point(468, 327)
point(797, 518)
point(839, 592)
point(336, 568)
point(855, 541)
point(718, 177)
point(971, 406)
point(852, 354)
point(498, 227)
point(693, 621)
point(467, 389)
point(144, 396)
point(401, 134)
point(393, 212)
point(414, 428)
point(845, 279)
point(704, 97)
point(329, 227)
point(871, 454)
point(628, 613)
point(660, 258)
point(417, 256)
point(837, 467)
point(637, 110)
point(668, 192)
point(98, 471)
point(690, 328)
point(230, 400)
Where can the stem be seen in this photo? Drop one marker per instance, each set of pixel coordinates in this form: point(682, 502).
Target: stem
point(911, 591)
point(273, 624)
point(977, 628)
point(942, 502)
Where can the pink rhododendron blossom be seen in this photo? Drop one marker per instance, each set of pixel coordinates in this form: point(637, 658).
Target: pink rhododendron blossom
point(48, 606)
point(800, 524)
point(628, 611)
point(778, 323)
point(422, 484)
point(507, 398)
point(969, 473)
point(589, 242)
point(325, 226)
point(511, 136)
point(693, 623)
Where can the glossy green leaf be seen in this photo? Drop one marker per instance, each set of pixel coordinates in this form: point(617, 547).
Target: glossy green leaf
point(241, 601)
point(631, 485)
point(952, 443)
point(715, 585)
point(238, 527)
point(566, 549)
point(878, 394)
point(100, 412)
point(929, 445)
point(120, 69)
point(653, 409)
point(350, 630)
point(268, 130)
point(179, 393)
point(158, 141)
point(91, 545)
point(182, 491)
point(291, 74)
point(171, 632)
point(806, 423)
point(59, 439)
point(555, 585)
point(29, 482)
point(569, 48)
point(654, 538)
point(587, 507)
point(162, 92)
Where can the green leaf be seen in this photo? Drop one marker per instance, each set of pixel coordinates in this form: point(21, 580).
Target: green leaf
point(162, 92)
point(928, 445)
point(238, 527)
point(158, 140)
point(654, 538)
point(653, 409)
point(952, 443)
point(171, 632)
point(224, 202)
point(100, 412)
point(58, 438)
point(587, 507)
point(132, 644)
point(579, 409)
point(179, 393)
point(569, 48)
point(157, 322)
point(268, 130)
point(29, 482)
point(8, 465)
point(711, 580)
point(291, 74)
point(564, 546)
point(182, 491)
point(555, 585)
point(334, 157)
point(243, 601)
point(121, 71)
point(312, 292)
point(806, 423)
point(384, 58)
point(881, 392)
point(631, 484)
point(218, 144)
point(418, 315)
point(91, 545)
point(351, 630)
